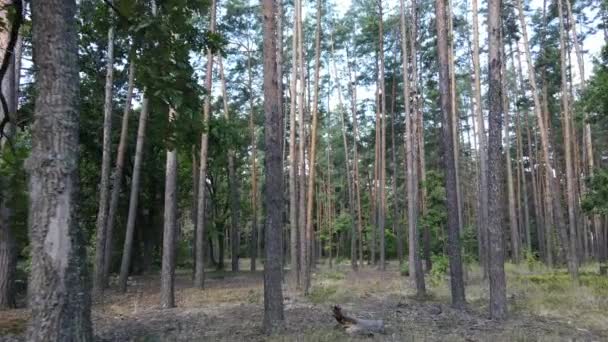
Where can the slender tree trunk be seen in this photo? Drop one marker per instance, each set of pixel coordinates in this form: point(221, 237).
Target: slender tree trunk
point(254, 178)
point(235, 240)
point(515, 240)
point(567, 131)
point(454, 250)
point(483, 148)
point(99, 280)
point(117, 176)
point(134, 197)
point(301, 153)
point(194, 206)
point(312, 156)
point(59, 286)
point(167, 276)
point(397, 229)
point(293, 157)
point(199, 274)
point(416, 272)
point(496, 260)
point(273, 294)
point(382, 192)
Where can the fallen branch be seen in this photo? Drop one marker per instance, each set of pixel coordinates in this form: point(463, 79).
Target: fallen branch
point(357, 326)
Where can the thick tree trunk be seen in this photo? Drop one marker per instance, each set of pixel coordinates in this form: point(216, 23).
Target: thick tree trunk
point(411, 149)
point(496, 254)
point(454, 250)
point(199, 274)
point(59, 285)
point(100, 275)
point(167, 275)
point(273, 196)
point(134, 196)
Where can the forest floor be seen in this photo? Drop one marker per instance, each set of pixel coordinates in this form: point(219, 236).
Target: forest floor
point(543, 306)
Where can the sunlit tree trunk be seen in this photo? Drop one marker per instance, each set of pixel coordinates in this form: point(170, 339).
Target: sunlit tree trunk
point(59, 285)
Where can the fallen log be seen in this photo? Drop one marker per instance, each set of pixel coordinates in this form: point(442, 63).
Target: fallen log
point(358, 326)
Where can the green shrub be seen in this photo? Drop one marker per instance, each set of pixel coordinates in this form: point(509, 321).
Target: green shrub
point(440, 268)
point(405, 269)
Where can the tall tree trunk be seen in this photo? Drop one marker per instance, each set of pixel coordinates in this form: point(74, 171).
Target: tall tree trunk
point(194, 205)
point(567, 131)
point(254, 178)
point(134, 197)
point(349, 175)
point(552, 192)
point(513, 226)
point(301, 152)
point(59, 286)
point(356, 178)
point(397, 229)
point(482, 217)
point(199, 274)
point(235, 240)
point(411, 149)
point(100, 275)
point(382, 192)
point(293, 157)
point(167, 275)
point(312, 156)
point(118, 171)
point(9, 41)
point(496, 260)
point(273, 294)
point(454, 250)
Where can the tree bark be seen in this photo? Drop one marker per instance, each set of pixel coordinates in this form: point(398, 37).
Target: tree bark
point(567, 131)
point(496, 271)
point(483, 147)
point(199, 274)
point(100, 278)
point(301, 153)
point(293, 157)
point(59, 285)
point(411, 149)
point(167, 275)
point(273, 196)
point(10, 86)
point(134, 197)
point(312, 156)
point(454, 250)
point(382, 173)
point(254, 178)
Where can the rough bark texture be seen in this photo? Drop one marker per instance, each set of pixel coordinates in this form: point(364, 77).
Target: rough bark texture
point(454, 250)
point(496, 254)
point(199, 273)
point(167, 275)
point(59, 285)
point(273, 195)
point(411, 149)
point(99, 280)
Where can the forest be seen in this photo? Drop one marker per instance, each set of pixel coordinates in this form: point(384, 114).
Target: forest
point(289, 170)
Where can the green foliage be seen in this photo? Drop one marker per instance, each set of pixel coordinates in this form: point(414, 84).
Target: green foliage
point(440, 268)
point(405, 268)
point(595, 201)
point(531, 259)
point(435, 217)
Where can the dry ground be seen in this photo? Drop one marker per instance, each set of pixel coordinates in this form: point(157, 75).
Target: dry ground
point(230, 308)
